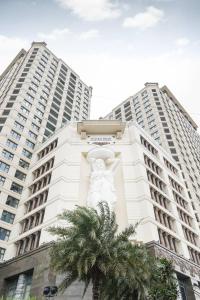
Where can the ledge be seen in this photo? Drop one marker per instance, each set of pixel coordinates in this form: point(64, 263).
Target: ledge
point(101, 127)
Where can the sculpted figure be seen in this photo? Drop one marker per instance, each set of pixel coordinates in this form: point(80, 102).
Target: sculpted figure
point(101, 188)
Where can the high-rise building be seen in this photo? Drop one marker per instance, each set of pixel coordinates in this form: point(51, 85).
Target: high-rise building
point(39, 93)
point(147, 150)
point(148, 185)
point(158, 112)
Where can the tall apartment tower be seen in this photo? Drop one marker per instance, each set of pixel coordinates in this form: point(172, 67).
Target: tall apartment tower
point(38, 94)
point(159, 113)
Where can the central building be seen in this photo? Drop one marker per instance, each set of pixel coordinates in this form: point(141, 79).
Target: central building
point(148, 186)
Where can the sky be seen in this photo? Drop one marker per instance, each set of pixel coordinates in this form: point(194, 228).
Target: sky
point(114, 45)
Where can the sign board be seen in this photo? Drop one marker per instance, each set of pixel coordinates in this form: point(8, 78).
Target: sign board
point(101, 139)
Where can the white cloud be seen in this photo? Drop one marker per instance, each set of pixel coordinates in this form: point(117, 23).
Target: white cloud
point(54, 34)
point(149, 18)
point(9, 47)
point(182, 42)
point(91, 10)
point(90, 34)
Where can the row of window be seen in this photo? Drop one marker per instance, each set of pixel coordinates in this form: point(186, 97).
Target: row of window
point(167, 240)
point(156, 181)
point(175, 185)
point(25, 152)
point(159, 198)
point(44, 168)
point(9, 156)
point(152, 165)
point(190, 236)
point(41, 183)
point(148, 146)
point(163, 218)
point(194, 255)
point(48, 149)
point(32, 221)
point(184, 217)
point(36, 201)
point(170, 166)
point(28, 243)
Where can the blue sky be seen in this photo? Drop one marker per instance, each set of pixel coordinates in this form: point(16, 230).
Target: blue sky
point(114, 45)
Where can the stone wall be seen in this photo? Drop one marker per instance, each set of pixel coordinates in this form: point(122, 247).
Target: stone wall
point(38, 261)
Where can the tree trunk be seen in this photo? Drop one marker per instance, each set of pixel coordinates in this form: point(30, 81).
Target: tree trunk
point(96, 287)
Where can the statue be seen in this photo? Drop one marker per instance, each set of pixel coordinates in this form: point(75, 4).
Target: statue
point(101, 188)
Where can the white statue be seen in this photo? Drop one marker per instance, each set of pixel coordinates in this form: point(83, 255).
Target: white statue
point(103, 165)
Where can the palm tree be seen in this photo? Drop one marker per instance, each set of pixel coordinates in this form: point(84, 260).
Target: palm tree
point(163, 281)
point(135, 283)
point(90, 250)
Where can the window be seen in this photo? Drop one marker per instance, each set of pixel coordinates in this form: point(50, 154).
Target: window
point(38, 75)
point(48, 149)
point(13, 98)
point(24, 110)
point(30, 144)
point(52, 120)
point(27, 153)
point(27, 104)
point(18, 126)
point(38, 120)
point(15, 135)
point(32, 135)
point(2, 120)
point(16, 188)
point(21, 118)
point(9, 104)
point(4, 234)
point(34, 86)
point(29, 97)
point(16, 92)
point(43, 100)
point(51, 127)
point(2, 180)
point(6, 112)
point(21, 80)
point(36, 80)
point(7, 217)
point(11, 201)
point(155, 134)
point(19, 175)
point(39, 112)
point(45, 94)
point(35, 126)
point(2, 252)
point(41, 106)
point(23, 164)
point(8, 155)
point(11, 144)
point(52, 112)
point(32, 90)
point(4, 167)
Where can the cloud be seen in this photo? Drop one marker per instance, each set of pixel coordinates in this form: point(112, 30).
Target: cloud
point(90, 34)
point(7, 43)
point(92, 10)
point(9, 47)
point(149, 18)
point(54, 34)
point(182, 42)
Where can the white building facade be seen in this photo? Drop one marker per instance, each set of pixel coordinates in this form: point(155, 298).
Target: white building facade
point(158, 112)
point(38, 94)
point(148, 184)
